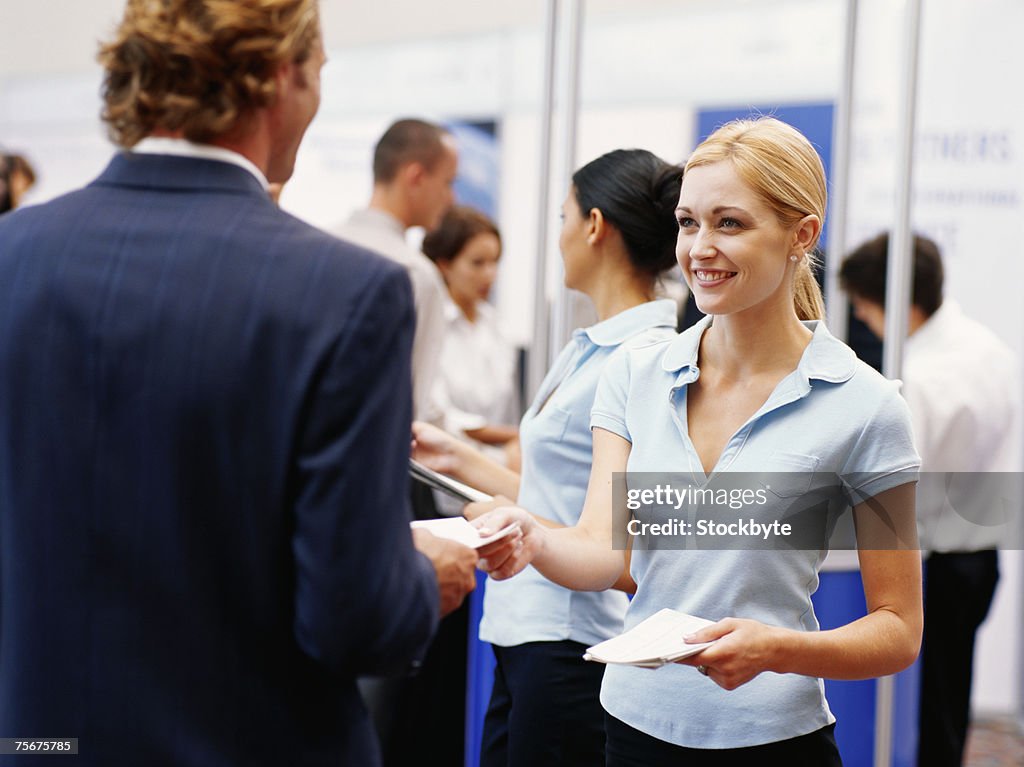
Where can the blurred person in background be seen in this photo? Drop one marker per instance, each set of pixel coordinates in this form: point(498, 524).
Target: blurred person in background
point(476, 385)
point(16, 177)
point(962, 385)
point(414, 167)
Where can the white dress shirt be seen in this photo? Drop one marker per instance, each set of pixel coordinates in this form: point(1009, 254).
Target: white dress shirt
point(180, 147)
point(962, 385)
point(476, 384)
point(381, 232)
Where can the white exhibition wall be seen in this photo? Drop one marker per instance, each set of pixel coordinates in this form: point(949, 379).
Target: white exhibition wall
point(647, 67)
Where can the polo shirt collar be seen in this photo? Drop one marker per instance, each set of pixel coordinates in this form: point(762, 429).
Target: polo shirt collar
point(826, 358)
point(681, 354)
point(624, 325)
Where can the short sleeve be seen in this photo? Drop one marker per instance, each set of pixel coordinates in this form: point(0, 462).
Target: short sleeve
point(609, 410)
point(883, 456)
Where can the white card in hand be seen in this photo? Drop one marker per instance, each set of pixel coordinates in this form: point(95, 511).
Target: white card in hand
point(460, 530)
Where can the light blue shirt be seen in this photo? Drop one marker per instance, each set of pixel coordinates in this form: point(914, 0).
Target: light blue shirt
point(832, 415)
point(557, 450)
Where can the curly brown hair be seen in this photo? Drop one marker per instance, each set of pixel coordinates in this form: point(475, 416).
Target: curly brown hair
point(199, 66)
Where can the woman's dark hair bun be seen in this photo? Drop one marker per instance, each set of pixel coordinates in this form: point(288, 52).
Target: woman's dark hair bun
point(636, 191)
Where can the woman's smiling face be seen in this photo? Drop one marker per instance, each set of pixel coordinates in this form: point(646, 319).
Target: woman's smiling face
point(732, 248)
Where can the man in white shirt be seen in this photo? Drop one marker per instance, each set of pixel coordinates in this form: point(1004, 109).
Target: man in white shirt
point(414, 167)
point(961, 384)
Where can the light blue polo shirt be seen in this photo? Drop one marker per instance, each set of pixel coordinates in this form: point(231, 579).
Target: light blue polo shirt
point(557, 449)
point(833, 414)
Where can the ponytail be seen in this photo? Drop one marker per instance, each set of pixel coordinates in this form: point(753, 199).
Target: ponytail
point(781, 165)
point(807, 299)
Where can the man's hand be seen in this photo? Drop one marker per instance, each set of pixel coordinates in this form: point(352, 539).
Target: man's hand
point(454, 564)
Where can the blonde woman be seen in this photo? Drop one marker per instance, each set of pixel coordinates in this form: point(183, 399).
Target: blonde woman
point(758, 386)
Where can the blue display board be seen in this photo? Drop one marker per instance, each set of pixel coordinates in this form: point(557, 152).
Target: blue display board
point(479, 675)
point(838, 601)
point(476, 184)
point(814, 120)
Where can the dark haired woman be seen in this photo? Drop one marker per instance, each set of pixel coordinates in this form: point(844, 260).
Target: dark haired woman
point(618, 235)
point(475, 386)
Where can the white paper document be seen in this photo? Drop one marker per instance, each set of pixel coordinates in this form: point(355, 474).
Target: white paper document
point(653, 642)
point(460, 530)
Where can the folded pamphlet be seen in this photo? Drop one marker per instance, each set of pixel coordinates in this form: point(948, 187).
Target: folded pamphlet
point(653, 642)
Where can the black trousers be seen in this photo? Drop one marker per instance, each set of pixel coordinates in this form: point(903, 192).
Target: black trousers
point(420, 717)
point(958, 590)
point(628, 747)
point(544, 708)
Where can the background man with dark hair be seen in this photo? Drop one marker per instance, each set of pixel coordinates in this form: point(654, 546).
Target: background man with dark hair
point(414, 167)
point(205, 411)
point(961, 384)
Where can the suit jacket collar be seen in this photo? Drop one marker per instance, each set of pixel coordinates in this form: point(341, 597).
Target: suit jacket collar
point(158, 171)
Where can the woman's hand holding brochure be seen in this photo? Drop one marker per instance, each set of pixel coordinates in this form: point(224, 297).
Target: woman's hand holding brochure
point(653, 642)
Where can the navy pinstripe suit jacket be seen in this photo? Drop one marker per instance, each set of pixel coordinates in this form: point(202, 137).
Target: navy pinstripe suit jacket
point(204, 430)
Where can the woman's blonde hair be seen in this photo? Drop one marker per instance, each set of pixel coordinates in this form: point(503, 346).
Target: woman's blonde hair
point(781, 166)
point(199, 66)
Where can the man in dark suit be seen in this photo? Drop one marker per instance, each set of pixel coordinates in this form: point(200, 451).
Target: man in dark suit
point(204, 426)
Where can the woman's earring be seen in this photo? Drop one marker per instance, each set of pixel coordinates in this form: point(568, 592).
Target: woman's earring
point(794, 258)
